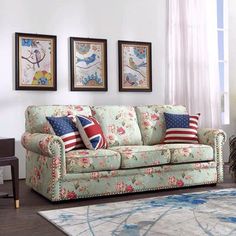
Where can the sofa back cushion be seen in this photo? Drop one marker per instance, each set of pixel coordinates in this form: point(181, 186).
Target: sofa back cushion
point(119, 124)
point(152, 122)
point(36, 121)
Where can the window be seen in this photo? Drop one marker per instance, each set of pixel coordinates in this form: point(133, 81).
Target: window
point(222, 29)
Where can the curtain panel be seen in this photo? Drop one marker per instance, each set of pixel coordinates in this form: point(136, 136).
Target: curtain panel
point(192, 59)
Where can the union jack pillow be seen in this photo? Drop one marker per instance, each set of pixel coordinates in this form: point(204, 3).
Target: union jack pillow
point(181, 128)
point(65, 128)
point(91, 132)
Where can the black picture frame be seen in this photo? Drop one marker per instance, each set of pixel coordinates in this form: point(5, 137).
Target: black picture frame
point(88, 64)
point(135, 66)
point(35, 62)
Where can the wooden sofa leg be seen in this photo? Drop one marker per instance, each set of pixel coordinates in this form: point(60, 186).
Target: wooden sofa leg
point(15, 181)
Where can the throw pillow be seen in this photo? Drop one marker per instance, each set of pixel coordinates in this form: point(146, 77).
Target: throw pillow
point(181, 128)
point(65, 128)
point(91, 132)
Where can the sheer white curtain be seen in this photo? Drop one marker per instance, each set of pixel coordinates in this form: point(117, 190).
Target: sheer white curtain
point(192, 58)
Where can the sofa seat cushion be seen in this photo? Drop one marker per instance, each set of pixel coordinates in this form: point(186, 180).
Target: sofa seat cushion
point(187, 153)
point(141, 156)
point(84, 160)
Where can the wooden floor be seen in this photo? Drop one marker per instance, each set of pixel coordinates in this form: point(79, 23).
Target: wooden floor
point(25, 220)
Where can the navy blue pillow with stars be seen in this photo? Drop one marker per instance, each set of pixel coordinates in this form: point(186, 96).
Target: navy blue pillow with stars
point(65, 128)
point(176, 120)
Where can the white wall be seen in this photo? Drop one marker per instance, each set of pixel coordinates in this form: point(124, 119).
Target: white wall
point(114, 20)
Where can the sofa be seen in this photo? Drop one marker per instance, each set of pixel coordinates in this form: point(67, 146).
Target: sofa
point(136, 159)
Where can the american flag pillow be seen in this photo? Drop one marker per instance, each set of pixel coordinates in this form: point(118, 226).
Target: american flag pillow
point(67, 130)
point(91, 132)
point(181, 128)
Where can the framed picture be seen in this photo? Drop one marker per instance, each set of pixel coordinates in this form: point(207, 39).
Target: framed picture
point(135, 66)
point(35, 62)
point(88, 64)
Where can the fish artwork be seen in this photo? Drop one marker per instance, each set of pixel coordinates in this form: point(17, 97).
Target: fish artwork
point(87, 60)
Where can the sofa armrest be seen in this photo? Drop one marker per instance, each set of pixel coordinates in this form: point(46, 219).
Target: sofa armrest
point(211, 136)
point(45, 163)
point(43, 144)
point(215, 138)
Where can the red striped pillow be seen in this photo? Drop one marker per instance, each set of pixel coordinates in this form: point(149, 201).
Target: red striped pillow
point(67, 130)
point(183, 134)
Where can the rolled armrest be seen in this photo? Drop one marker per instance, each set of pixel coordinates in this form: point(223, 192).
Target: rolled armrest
point(43, 144)
point(215, 138)
point(211, 136)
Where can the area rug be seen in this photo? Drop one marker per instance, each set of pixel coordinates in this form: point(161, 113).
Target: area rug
point(205, 213)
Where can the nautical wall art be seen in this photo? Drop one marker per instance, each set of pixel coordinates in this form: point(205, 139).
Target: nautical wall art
point(88, 64)
point(35, 62)
point(135, 66)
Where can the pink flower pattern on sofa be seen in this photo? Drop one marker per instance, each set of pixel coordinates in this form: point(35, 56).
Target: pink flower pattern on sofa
point(86, 173)
point(152, 123)
point(119, 124)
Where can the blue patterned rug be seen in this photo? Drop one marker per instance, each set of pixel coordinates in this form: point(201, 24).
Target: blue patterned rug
point(205, 213)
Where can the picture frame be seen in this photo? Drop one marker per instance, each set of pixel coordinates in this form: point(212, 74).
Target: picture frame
point(88, 57)
point(35, 62)
point(135, 66)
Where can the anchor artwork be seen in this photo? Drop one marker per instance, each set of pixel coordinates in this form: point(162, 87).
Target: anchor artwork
point(88, 64)
point(35, 62)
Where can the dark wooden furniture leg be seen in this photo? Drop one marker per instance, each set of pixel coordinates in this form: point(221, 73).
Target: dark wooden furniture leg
point(7, 158)
point(15, 181)
point(13, 162)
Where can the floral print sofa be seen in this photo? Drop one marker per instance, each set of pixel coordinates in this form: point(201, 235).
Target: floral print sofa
point(136, 160)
